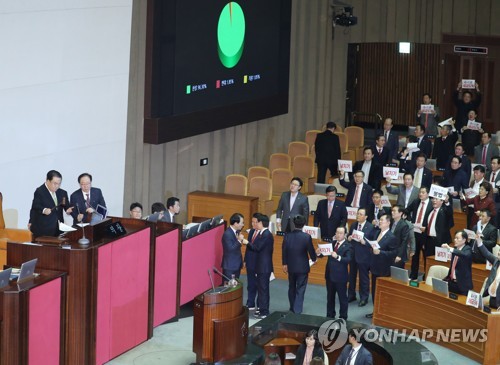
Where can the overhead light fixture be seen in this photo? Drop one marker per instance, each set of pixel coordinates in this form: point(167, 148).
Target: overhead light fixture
point(404, 47)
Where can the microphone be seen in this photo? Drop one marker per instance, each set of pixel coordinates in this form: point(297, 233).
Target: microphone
point(84, 240)
point(221, 274)
point(211, 280)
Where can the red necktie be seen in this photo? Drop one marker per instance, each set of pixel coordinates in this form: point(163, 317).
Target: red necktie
point(484, 154)
point(430, 221)
point(493, 177)
point(336, 247)
point(87, 201)
point(255, 234)
point(452, 274)
point(421, 213)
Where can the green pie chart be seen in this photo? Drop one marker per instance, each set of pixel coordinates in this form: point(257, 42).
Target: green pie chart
point(231, 34)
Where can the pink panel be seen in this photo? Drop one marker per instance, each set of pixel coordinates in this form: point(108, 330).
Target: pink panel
point(165, 277)
point(129, 291)
point(44, 333)
point(103, 329)
point(200, 254)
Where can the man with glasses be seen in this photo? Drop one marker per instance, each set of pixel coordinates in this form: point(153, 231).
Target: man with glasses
point(291, 204)
point(85, 199)
point(358, 193)
point(330, 213)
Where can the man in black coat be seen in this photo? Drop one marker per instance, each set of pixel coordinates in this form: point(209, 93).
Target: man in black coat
point(438, 225)
point(251, 263)
point(459, 276)
point(47, 206)
point(402, 233)
point(358, 193)
point(354, 348)
point(487, 233)
point(327, 148)
point(86, 199)
point(375, 209)
point(465, 104)
point(444, 146)
point(330, 213)
point(296, 250)
point(423, 142)
point(232, 239)
point(492, 286)
point(371, 169)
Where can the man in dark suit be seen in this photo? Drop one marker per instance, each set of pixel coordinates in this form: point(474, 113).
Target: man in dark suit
point(47, 206)
point(296, 250)
point(419, 212)
point(327, 148)
point(250, 261)
point(358, 193)
point(444, 146)
point(459, 276)
point(354, 351)
point(85, 200)
point(466, 164)
point(232, 239)
point(487, 232)
point(264, 246)
point(492, 286)
point(361, 258)
point(423, 142)
point(422, 176)
point(330, 213)
point(375, 209)
point(371, 169)
point(292, 203)
point(485, 151)
point(438, 225)
point(173, 208)
point(401, 231)
point(391, 138)
point(382, 155)
point(493, 177)
point(383, 257)
point(337, 275)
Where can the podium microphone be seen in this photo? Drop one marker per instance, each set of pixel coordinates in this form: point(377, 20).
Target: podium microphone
point(84, 240)
point(221, 274)
point(211, 280)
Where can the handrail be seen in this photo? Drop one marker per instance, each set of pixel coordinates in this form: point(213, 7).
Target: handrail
point(377, 116)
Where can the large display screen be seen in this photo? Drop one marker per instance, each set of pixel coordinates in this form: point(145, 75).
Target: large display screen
point(212, 64)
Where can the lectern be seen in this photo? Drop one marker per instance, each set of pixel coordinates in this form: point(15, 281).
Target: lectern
point(220, 324)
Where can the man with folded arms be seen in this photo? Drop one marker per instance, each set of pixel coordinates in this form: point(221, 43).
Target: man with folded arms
point(459, 276)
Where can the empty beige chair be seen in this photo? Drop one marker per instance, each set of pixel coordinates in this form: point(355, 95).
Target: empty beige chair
point(436, 271)
point(279, 161)
point(344, 147)
point(313, 201)
point(311, 136)
point(297, 148)
point(255, 171)
point(303, 167)
point(340, 188)
point(356, 138)
point(281, 183)
point(261, 187)
point(236, 184)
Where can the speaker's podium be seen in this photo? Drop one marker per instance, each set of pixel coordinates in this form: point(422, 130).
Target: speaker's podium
point(220, 324)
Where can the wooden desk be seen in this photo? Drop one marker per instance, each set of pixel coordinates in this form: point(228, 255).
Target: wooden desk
point(207, 204)
point(400, 306)
point(31, 320)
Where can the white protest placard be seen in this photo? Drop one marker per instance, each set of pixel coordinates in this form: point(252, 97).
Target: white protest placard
point(390, 172)
point(374, 244)
point(314, 232)
point(325, 249)
point(441, 254)
point(445, 122)
point(468, 84)
point(351, 212)
point(438, 192)
point(475, 126)
point(416, 227)
point(451, 189)
point(384, 200)
point(474, 299)
point(345, 165)
point(469, 193)
point(470, 234)
point(427, 108)
point(488, 265)
point(358, 235)
point(399, 179)
point(412, 146)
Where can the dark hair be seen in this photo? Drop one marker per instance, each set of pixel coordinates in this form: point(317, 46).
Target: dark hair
point(52, 174)
point(459, 159)
point(355, 172)
point(422, 127)
point(171, 201)
point(344, 228)
point(480, 168)
point(462, 233)
point(458, 144)
point(496, 158)
point(316, 360)
point(255, 215)
point(379, 136)
point(264, 219)
point(135, 205)
point(368, 148)
point(421, 154)
point(235, 218)
point(157, 208)
point(399, 207)
point(272, 359)
point(426, 188)
point(330, 125)
point(299, 221)
point(377, 191)
point(488, 133)
point(314, 334)
point(391, 221)
point(408, 173)
point(412, 138)
point(297, 179)
point(364, 209)
point(331, 188)
point(83, 175)
point(472, 110)
point(486, 185)
point(429, 95)
point(487, 211)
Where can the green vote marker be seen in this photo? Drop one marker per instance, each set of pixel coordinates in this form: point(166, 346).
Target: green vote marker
point(231, 34)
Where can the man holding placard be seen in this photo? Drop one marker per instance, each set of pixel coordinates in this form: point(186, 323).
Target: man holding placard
point(406, 193)
point(327, 148)
point(358, 193)
point(428, 115)
point(372, 170)
point(471, 133)
point(485, 151)
point(376, 209)
point(423, 142)
point(438, 224)
point(465, 103)
point(422, 176)
point(444, 146)
point(336, 274)
point(330, 213)
point(492, 286)
point(382, 153)
point(358, 234)
point(487, 233)
point(459, 276)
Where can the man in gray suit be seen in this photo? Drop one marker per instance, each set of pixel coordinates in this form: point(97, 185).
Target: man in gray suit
point(291, 204)
point(406, 193)
point(485, 151)
point(173, 209)
point(492, 287)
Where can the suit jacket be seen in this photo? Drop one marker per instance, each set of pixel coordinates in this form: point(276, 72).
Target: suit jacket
point(375, 175)
point(444, 149)
point(231, 251)
point(301, 352)
point(366, 193)
point(380, 264)
point(337, 218)
point(491, 151)
point(327, 148)
point(495, 263)
point(444, 222)
point(489, 239)
point(458, 179)
point(78, 201)
point(413, 211)
point(296, 250)
point(264, 246)
point(401, 193)
point(426, 177)
point(463, 109)
point(361, 253)
point(371, 212)
point(463, 269)
point(425, 146)
point(364, 357)
point(392, 143)
point(383, 157)
point(336, 271)
point(251, 255)
point(402, 234)
point(300, 206)
point(496, 197)
point(466, 166)
point(47, 225)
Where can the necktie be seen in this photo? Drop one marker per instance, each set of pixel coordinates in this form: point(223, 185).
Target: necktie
point(54, 197)
point(452, 274)
point(348, 361)
point(330, 209)
point(426, 120)
point(431, 219)
point(356, 197)
point(379, 150)
point(255, 234)
point(386, 136)
point(379, 237)
point(421, 213)
point(493, 176)
point(87, 201)
point(336, 247)
point(484, 154)
point(376, 212)
point(360, 227)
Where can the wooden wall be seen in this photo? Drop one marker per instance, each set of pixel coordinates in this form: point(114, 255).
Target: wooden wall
point(317, 90)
